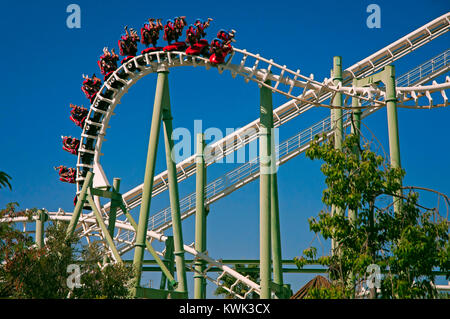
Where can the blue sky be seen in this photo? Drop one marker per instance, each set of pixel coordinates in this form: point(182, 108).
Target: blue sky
point(43, 61)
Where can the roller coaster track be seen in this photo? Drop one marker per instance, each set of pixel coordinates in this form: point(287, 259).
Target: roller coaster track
point(287, 111)
point(295, 145)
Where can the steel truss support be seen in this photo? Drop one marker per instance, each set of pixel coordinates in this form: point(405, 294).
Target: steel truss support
point(173, 192)
point(356, 130)
point(200, 219)
point(275, 224)
point(80, 204)
point(165, 270)
point(387, 77)
point(40, 226)
point(108, 231)
point(337, 126)
point(169, 262)
point(267, 168)
point(113, 211)
point(161, 110)
point(87, 194)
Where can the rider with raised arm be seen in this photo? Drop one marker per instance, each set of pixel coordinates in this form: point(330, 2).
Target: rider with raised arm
point(201, 26)
point(179, 24)
point(108, 62)
point(78, 115)
point(128, 44)
point(150, 32)
point(172, 31)
point(91, 86)
point(194, 35)
point(66, 174)
point(169, 32)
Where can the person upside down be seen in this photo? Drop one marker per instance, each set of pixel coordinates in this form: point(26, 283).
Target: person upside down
point(70, 144)
point(78, 115)
point(91, 86)
point(108, 62)
point(66, 174)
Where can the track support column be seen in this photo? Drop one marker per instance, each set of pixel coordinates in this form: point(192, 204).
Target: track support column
point(266, 119)
point(337, 123)
point(173, 192)
point(391, 107)
point(113, 211)
point(79, 206)
point(200, 219)
point(355, 129)
point(168, 261)
point(40, 223)
point(149, 175)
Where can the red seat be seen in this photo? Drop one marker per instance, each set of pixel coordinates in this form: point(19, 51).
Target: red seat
point(177, 46)
point(125, 60)
point(198, 48)
point(152, 49)
point(217, 58)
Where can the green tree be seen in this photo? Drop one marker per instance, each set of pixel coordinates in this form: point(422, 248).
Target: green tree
point(4, 180)
point(29, 272)
point(406, 244)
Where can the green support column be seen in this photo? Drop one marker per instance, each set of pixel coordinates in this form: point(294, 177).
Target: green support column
point(337, 101)
point(79, 206)
point(355, 129)
point(113, 209)
point(266, 119)
point(113, 212)
point(391, 107)
point(168, 261)
point(106, 235)
point(275, 221)
point(200, 219)
point(39, 235)
point(149, 247)
point(173, 192)
point(149, 174)
point(337, 123)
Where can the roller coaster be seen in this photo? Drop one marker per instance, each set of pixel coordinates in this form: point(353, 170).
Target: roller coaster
point(356, 91)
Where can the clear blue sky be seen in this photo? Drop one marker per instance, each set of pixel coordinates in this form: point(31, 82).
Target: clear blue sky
point(43, 60)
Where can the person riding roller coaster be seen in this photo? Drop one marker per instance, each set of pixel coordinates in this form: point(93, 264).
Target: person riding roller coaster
point(172, 31)
point(70, 144)
point(128, 44)
point(226, 36)
point(221, 46)
point(201, 26)
point(150, 32)
point(179, 24)
point(194, 35)
point(66, 174)
point(91, 86)
point(108, 62)
point(78, 115)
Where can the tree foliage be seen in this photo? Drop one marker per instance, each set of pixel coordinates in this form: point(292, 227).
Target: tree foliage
point(29, 272)
point(405, 243)
point(5, 180)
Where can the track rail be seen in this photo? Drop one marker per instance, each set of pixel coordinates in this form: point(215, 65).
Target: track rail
point(293, 108)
